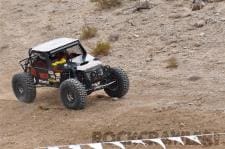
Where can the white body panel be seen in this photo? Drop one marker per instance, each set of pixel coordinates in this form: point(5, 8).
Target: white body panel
point(92, 63)
point(89, 65)
point(53, 44)
point(78, 60)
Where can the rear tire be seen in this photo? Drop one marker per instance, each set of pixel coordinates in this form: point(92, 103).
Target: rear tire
point(73, 94)
point(23, 87)
point(121, 86)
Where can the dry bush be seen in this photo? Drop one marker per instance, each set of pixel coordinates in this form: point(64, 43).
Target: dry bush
point(104, 4)
point(102, 48)
point(88, 32)
point(172, 63)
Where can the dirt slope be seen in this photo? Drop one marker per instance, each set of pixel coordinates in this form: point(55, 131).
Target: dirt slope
point(188, 98)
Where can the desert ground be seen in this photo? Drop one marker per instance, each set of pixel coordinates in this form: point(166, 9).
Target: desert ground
point(187, 98)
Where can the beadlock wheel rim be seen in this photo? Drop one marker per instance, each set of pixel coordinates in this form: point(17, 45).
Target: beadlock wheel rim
point(70, 96)
point(20, 89)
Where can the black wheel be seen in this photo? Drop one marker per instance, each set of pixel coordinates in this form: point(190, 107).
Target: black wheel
point(121, 85)
point(23, 87)
point(73, 94)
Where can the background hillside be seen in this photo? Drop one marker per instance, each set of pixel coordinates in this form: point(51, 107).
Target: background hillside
point(186, 97)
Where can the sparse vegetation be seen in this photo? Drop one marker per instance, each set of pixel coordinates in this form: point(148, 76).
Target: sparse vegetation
point(102, 48)
point(172, 63)
point(104, 4)
point(88, 32)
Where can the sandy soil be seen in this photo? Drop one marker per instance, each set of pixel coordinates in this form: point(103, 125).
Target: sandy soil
point(160, 99)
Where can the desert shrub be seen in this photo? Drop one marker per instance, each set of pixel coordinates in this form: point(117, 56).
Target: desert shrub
point(102, 48)
point(172, 63)
point(104, 4)
point(88, 32)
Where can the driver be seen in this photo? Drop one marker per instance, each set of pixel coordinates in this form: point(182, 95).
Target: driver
point(59, 59)
point(72, 54)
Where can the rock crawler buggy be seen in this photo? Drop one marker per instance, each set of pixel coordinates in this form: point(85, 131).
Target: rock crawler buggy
point(64, 63)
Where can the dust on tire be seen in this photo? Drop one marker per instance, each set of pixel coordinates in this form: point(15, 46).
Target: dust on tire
point(121, 85)
point(24, 87)
point(73, 94)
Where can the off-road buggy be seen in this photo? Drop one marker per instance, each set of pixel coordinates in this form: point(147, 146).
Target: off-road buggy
point(64, 63)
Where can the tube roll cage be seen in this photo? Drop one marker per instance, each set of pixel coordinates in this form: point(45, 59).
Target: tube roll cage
point(24, 63)
point(69, 46)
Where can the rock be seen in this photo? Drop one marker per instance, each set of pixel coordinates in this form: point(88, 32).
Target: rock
point(115, 99)
point(113, 37)
point(148, 59)
point(43, 108)
point(211, 21)
point(187, 14)
point(4, 47)
point(175, 16)
point(199, 24)
point(202, 34)
point(118, 12)
point(217, 14)
point(142, 4)
point(197, 5)
point(197, 44)
point(136, 35)
point(182, 125)
point(100, 96)
point(222, 19)
point(194, 78)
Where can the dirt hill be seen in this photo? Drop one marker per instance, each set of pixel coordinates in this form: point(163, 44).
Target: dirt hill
point(175, 59)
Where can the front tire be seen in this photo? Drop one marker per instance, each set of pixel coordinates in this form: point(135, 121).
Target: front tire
point(23, 87)
point(73, 94)
point(121, 85)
